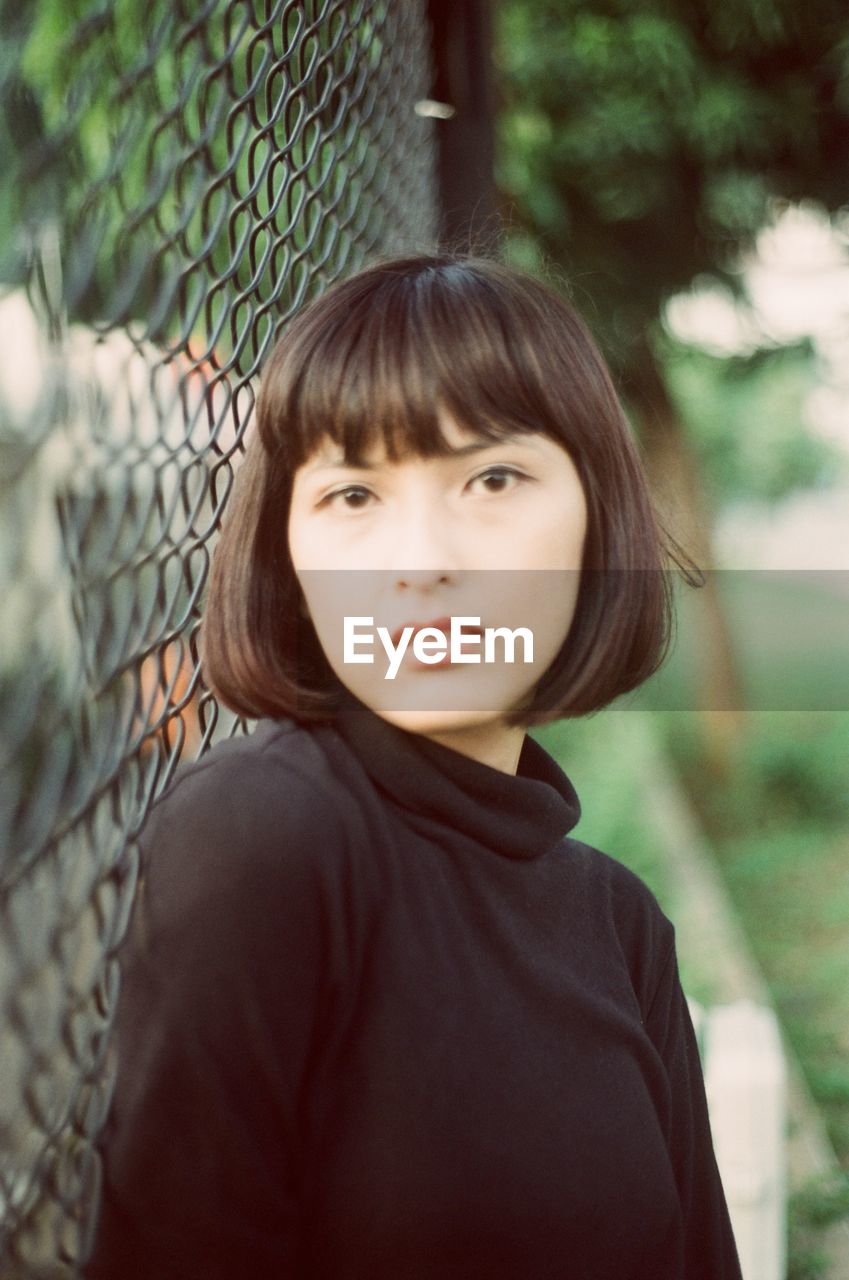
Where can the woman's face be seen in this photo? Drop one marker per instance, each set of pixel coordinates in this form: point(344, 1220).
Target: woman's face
point(493, 532)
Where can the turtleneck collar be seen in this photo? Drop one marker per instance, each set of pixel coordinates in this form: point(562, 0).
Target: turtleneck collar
point(519, 816)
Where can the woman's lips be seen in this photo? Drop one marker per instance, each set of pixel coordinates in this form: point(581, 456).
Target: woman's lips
point(439, 624)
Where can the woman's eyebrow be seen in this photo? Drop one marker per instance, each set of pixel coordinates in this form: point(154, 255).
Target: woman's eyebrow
point(462, 451)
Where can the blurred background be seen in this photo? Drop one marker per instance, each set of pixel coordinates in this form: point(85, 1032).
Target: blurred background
point(684, 170)
point(178, 178)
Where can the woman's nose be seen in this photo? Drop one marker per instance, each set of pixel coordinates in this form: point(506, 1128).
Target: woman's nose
point(422, 549)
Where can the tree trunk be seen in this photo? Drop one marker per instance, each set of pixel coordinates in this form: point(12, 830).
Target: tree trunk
point(685, 513)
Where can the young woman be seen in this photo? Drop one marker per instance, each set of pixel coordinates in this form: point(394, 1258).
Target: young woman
point(383, 1018)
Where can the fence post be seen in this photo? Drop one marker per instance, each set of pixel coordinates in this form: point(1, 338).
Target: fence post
point(745, 1081)
point(461, 40)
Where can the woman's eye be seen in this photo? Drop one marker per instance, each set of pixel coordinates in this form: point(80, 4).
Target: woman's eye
point(499, 479)
point(354, 495)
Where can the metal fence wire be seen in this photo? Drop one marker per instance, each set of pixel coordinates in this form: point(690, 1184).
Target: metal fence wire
point(178, 178)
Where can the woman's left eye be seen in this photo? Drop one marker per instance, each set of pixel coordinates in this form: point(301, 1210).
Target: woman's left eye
point(503, 477)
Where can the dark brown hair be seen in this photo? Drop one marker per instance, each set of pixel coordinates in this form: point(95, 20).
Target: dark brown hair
point(375, 359)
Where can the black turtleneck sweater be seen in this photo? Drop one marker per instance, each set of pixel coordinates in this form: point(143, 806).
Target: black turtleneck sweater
point(382, 1019)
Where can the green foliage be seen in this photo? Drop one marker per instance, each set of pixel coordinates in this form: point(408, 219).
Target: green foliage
point(821, 1202)
point(801, 773)
point(640, 142)
point(747, 415)
point(790, 633)
point(779, 827)
point(791, 768)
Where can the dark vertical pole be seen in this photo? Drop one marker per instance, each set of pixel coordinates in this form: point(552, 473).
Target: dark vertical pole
point(461, 33)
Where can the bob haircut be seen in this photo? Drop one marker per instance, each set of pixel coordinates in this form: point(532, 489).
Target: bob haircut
point(374, 359)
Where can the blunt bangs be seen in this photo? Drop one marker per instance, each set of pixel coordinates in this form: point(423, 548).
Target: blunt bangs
point(375, 361)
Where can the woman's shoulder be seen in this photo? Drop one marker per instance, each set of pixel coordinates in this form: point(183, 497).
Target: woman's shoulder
point(619, 895)
point(243, 870)
point(277, 769)
point(255, 813)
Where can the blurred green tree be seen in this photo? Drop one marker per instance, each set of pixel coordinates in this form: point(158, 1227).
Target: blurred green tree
point(645, 145)
point(745, 411)
point(641, 144)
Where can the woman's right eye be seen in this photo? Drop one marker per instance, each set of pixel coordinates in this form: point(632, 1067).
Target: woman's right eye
point(355, 491)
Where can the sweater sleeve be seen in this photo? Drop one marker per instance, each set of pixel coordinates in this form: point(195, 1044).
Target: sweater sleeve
point(709, 1249)
point(220, 999)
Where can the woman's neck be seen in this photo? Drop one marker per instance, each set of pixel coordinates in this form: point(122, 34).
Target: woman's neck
point(498, 746)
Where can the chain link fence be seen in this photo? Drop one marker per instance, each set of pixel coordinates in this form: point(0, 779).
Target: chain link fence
point(178, 179)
